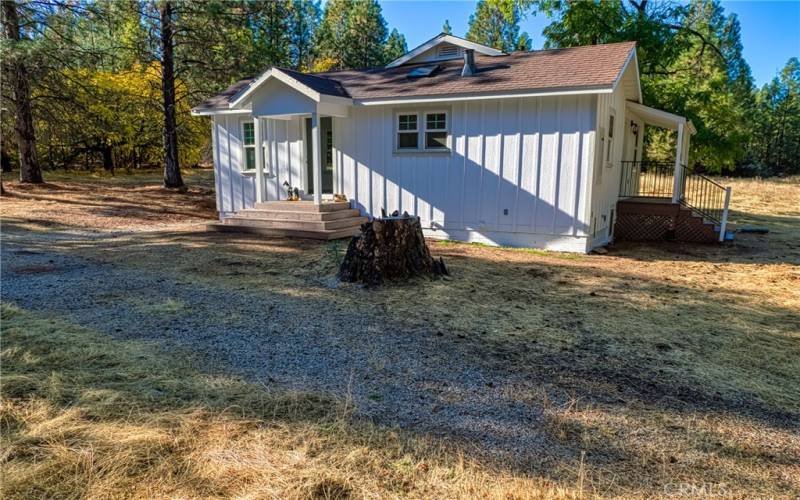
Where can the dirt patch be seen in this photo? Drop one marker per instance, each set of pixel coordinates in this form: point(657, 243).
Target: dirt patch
point(34, 269)
point(109, 204)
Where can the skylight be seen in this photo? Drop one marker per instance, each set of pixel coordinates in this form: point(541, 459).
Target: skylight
point(422, 71)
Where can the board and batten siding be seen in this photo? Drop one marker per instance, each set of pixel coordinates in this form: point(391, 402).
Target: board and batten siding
point(517, 174)
point(283, 160)
point(606, 178)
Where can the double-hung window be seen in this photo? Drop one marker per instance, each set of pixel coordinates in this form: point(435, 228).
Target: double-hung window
point(436, 130)
point(407, 131)
point(249, 145)
point(421, 131)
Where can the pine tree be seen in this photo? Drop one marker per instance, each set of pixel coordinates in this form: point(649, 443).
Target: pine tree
point(446, 28)
point(16, 71)
point(395, 46)
point(304, 22)
point(352, 34)
point(496, 23)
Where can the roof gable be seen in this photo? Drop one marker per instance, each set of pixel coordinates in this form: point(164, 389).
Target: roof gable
point(443, 39)
point(311, 86)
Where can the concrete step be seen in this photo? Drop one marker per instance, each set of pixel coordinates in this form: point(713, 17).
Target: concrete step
point(255, 213)
point(304, 206)
point(304, 225)
point(331, 234)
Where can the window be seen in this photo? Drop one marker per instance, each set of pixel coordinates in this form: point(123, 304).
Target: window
point(436, 130)
point(249, 145)
point(610, 143)
point(407, 131)
point(422, 131)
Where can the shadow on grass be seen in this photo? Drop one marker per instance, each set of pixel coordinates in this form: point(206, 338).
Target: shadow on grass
point(617, 342)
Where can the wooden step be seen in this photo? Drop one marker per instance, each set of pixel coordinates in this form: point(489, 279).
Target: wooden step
point(304, 225)
point(256, 213)
point(304, 206)
point(331, 234)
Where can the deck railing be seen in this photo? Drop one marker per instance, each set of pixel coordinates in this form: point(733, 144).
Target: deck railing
point(647, 179)
point(656, 179)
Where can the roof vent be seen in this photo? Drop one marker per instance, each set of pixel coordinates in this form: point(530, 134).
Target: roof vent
point(469, 63)
point(423, 71)
point(448, 50)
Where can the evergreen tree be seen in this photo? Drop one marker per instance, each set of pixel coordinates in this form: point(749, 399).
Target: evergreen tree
point(352, 34)
point(496, 23)
point(775, 125)
point(15, 69)
point(690, 57)
point(524, 42)
point(395, 46)
point(446, 28)
point(304, 22)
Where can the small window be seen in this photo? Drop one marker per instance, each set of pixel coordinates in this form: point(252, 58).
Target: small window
point(436, 130)
point(407, 131)
point(610, 144)
point(249, 145)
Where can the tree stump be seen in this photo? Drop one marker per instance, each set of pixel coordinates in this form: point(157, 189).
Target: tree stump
point(387, 249)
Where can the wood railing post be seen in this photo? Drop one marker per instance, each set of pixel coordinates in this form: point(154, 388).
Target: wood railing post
point(677, 184)
point(259, 147)
point(724, 224)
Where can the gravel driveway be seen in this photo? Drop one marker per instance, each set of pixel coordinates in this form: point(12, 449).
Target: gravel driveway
point(395, 375)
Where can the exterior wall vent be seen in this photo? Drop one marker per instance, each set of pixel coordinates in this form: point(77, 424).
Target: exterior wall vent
point(448, 51)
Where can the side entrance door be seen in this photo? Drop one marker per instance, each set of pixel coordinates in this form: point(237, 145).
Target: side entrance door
point(326, 131)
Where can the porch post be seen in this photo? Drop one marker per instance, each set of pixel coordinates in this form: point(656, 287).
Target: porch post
point(259, 159)
point(316, 143)
point(677, 181)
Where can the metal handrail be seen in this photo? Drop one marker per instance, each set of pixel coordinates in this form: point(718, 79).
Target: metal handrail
point(647, 179)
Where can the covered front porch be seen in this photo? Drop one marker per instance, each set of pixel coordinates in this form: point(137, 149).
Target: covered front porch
point(667, 199)
point(288, 119)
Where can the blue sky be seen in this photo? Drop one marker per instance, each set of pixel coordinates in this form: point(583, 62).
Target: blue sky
point(770, 30)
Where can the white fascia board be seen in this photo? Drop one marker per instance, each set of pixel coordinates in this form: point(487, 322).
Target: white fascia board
point(659, 117)
point(631, 57)
point(213, 112)
point(444, 38)
point(476, 97)
point(279, 75)
point(335, 99)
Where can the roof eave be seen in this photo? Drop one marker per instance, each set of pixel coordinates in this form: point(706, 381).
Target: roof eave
point(378, 101)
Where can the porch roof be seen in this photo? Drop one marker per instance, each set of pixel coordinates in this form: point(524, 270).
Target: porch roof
point(659, 118)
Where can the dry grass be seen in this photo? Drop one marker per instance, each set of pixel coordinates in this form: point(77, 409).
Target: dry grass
point(84, 416)
point(672, 366)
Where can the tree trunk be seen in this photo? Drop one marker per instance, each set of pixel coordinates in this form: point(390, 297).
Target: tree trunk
point(17, 74)
point(389, 248)
point(108, 158)
point(172, 171)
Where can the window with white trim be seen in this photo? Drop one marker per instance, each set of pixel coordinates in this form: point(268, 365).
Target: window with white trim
point(407, 131)
point(610, 142)
point(249, 146)
point(436, 130)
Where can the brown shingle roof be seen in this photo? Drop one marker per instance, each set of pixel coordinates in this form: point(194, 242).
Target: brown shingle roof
point(589, 67)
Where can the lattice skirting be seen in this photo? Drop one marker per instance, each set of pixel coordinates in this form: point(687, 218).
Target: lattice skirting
point(680, 225)
point(642, 227)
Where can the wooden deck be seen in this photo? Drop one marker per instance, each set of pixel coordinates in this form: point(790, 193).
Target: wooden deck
point(298, 219)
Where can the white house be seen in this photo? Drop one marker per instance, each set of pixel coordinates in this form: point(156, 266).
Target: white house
point(530, 149)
